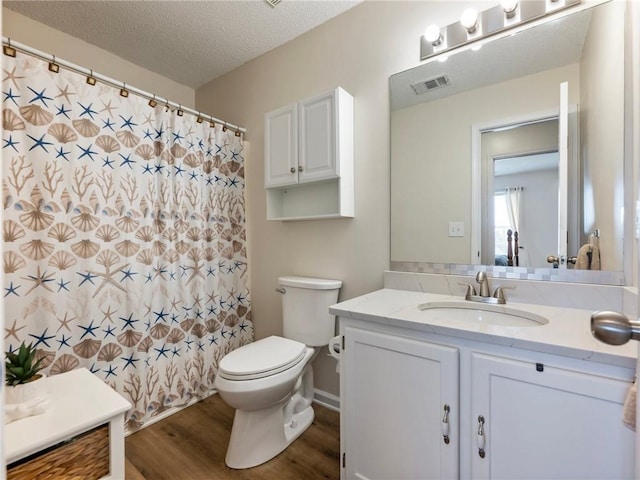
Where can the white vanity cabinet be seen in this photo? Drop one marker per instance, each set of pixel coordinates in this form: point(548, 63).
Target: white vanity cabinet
point(309, 158)
point(390, 431)
point(533, 415)
point(548, 421)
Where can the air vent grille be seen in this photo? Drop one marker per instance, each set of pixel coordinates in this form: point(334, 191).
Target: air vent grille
point(431, 84)
point(273, 3)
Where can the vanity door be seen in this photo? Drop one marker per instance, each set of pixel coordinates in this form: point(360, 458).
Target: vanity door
point(539, 421)
point(400, 408)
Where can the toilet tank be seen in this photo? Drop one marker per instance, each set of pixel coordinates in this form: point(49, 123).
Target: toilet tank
point(305, 309)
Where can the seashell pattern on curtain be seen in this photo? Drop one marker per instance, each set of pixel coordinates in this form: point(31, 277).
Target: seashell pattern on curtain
point(124, 242)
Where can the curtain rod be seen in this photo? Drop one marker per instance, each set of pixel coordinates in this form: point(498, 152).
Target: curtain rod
point(114, 83)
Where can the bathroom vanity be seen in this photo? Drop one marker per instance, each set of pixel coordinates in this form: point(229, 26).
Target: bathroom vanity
point(447, 392)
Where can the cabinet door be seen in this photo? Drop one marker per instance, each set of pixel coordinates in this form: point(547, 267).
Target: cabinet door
point(318, 138)
point(545, 422)
point(394, 391)
point(281, 147)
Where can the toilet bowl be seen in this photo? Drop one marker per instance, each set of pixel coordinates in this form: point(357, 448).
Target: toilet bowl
point(270, 381)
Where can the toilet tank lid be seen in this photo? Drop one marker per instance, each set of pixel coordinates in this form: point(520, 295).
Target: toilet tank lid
point(309, 282)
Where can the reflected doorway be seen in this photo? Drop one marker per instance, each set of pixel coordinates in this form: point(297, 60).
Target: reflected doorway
point(520, 180)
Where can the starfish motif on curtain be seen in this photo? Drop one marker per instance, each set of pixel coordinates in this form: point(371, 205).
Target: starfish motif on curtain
point(12, 77)
point(39, 280)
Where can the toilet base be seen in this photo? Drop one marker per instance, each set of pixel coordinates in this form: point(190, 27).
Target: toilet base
point(258, 436)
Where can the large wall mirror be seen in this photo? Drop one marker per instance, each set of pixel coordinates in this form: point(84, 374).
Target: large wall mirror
point(525, 134)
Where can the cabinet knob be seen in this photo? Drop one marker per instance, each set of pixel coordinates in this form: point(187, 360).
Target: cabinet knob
point(300, 168)
point(293, 170)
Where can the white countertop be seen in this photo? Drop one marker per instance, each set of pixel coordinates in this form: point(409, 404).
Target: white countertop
point(568, 332)
point(79, 401)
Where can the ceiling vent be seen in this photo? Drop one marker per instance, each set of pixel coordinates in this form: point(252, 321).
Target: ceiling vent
point(273, 3)
point(431, 84)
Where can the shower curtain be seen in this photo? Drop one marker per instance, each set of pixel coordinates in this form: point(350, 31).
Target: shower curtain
point(123, 236)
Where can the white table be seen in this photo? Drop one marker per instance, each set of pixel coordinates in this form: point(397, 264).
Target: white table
point(79, 402)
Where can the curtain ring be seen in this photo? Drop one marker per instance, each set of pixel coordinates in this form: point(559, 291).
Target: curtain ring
point(123, 91)
point(91, 80)
point(8, 50)
point(180, 112)
point(53, 66)
point(152, 102)
point(224, 127)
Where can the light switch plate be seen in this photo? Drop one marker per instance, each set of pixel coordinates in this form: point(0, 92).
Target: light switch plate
point(456, 229)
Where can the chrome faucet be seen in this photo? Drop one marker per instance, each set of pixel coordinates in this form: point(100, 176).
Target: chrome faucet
point(484, 295)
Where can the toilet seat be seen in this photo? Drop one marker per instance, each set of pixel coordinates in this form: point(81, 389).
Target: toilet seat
point(261, 359)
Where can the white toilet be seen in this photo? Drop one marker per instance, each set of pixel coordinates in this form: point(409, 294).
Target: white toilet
point(270, 382)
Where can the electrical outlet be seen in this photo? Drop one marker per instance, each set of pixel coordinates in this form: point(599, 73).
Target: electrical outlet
point(456, 229)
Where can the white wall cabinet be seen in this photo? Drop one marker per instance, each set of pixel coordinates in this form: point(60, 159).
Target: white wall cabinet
point(309, 158)
point(513, 414)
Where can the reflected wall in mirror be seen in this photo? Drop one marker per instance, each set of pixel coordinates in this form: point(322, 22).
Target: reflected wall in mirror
point(510, 80)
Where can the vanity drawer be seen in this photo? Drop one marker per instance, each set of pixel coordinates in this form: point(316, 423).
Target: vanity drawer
point(85, 457)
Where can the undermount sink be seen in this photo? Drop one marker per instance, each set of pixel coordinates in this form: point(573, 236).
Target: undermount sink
point(480, 313)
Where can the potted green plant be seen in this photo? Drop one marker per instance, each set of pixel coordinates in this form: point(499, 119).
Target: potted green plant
point(21, 372)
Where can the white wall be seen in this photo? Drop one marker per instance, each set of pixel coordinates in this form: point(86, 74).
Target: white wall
point(358, 51)
point(23, 30)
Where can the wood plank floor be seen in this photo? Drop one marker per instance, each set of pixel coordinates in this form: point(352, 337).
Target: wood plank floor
point(192, 443)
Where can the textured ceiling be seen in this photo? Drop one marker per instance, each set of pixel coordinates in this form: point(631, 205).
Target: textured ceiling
point(186, 41)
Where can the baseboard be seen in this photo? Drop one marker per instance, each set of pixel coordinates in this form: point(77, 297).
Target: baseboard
point(326, 399)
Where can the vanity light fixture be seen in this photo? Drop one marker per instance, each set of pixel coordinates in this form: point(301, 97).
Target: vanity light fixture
point(474, 26)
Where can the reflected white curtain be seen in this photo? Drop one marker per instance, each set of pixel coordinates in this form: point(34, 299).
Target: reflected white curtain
point(513, 198)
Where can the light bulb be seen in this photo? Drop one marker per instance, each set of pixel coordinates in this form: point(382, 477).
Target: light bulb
point(509, 7)
point(469, 19)
point(432, 35)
